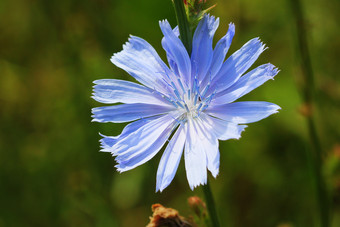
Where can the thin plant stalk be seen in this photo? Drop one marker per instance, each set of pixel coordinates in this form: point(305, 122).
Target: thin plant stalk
point(186, 38)
point(183, 24)
point(308, 90)
point(210, 204)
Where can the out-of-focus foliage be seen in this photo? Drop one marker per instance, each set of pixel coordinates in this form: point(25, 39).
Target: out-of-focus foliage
point(51, 173)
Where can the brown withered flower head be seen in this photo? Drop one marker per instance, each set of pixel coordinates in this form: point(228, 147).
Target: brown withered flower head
point(166, 217)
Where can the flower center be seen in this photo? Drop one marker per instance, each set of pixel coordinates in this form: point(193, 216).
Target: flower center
point(190, 100)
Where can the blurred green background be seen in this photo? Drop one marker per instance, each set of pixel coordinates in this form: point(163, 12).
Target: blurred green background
point(51, 173)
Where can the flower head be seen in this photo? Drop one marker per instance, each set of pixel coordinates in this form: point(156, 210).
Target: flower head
point(190, 104)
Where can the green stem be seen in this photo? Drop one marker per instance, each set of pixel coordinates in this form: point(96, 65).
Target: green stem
point(210, 204)
point(183, 24)
point(308, 95)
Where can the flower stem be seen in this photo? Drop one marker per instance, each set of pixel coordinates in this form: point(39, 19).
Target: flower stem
point(210, 204)
point(308, 90)
point(183, 24)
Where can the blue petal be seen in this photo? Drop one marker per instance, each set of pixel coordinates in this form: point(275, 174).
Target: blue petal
point(170, 160)
point(172, 63)
point(223, 130)
point(114, 91)
point(107, 142)
point(141, 145)
point(246, 84)
point(209, 143)
point(176, 31)
point(221, 50)
point(202, 51)
point(237, 64)
point(176, 51)
point(243, 112)
point(195, 156)
point(142, 135)
point(141, 61)
point(213, 156)
point(127, 112)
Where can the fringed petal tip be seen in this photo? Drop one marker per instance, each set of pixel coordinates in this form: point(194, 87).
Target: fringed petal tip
point(257, 42)
point(126, 46)
point(276, 108)
point(120, 167)
point(160, 187)
point(231, 30)
point(94, 116)
point(103, 149)
point(119, 170)
point(164, 23)
point(271, 70)
point(241, 128)
point(227, 39)
point(95, 120)
point(213, 25)
point(232, 27)
point(211, 19)
point(215, 173)
point(271, 107)
point(101, 82)
point(106, 143)
point(193, 186)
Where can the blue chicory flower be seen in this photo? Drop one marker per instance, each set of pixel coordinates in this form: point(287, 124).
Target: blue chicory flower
point(191, 104)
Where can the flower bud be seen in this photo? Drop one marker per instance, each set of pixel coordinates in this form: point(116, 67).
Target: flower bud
point(198, 206)
point(195, 10)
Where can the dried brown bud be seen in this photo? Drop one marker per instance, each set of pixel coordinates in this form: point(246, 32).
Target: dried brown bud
point(198, 206)
point(163, 216)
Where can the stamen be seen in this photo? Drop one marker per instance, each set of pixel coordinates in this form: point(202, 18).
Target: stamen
point(168, 86)
point(177, 120)
point(173, 85)
point(180, 104)
point(163, 73)
point(180, 83)
point(195, 100)
point(204, 107)
point(194, 86)
point(205, 90)
point(200, 105)
point(177, 94)
point(186, 107)
point(164, 97)
point(208, 100)
point(171, 101)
